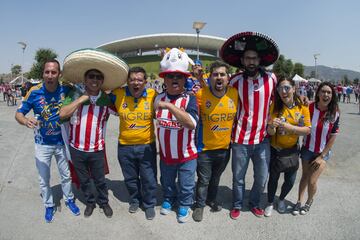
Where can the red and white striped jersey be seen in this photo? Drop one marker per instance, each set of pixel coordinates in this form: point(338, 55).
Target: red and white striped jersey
point(255, 96)
point(87, 133)
point(320, 130)
point(177, 143)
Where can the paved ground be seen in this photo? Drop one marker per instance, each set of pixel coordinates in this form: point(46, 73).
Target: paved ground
point(335, 213)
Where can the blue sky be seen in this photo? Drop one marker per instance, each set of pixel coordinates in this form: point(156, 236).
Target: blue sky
point(301, 28)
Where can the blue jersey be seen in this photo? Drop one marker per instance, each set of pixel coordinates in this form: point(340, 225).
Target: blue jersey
point(46, 106)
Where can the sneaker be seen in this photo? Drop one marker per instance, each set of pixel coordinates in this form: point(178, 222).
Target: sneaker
point(296, 209)
point(133, 208)
point(235, 213)
point(259, 212)
point(198, 214)
point(49, 214)
point(150, 213)
point(72, 206)
point(165, 208)
point(183, 214)
point(281, 207)
point(89, 210)
point(305, 208)
point(215, 206)
point(107, 210)
point(268, 210)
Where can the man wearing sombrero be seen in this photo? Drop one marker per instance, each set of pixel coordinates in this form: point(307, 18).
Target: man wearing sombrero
point(88, 115)
point(252, 52)
point(176, 117)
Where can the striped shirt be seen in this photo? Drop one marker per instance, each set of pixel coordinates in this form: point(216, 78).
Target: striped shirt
point(321, 130)
point(255, 96)
point(177, 143)
point(88, 124)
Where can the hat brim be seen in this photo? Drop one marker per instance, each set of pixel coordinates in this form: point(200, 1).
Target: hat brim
point(186, 74)
point(233, 49)
point(114, 69)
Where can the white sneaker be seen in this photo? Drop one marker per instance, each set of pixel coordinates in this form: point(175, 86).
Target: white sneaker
point(268, 210)
point(281, 206)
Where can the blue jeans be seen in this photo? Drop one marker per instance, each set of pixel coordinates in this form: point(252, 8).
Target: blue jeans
point(186, 182)
point(211, 164)
point(138, 165)
point(43, 155)
point(260, 156)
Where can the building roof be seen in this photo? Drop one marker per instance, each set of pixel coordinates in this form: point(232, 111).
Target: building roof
point(145, 43)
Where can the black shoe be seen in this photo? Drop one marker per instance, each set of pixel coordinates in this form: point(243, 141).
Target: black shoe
point(133, 208)
point(107, 210)
point(215, 206)
point(150, 213)
point(198, 214)
point(89, 210)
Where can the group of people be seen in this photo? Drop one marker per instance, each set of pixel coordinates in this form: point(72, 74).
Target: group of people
point(253, 115)
point(344, 92)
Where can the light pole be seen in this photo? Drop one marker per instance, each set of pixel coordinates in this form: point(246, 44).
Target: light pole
point(315, 58)
point(23, 46)
point(198, 26)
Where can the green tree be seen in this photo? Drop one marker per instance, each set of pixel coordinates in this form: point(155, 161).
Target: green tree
point(298, 69)
point(15, 70)
point(283, 67)
point(346, 80)
point(41, 56)
point(356, 81)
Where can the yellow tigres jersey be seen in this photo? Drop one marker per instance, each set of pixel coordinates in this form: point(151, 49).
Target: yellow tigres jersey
point(136, 116)
point(297, 116)
point(217, 117)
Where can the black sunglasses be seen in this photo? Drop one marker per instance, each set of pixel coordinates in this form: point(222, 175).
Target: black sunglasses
point(95, 76)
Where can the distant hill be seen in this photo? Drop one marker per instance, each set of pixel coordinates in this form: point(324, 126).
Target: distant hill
point(331, 74)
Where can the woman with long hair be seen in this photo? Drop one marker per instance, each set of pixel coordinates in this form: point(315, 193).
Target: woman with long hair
point(290, 119)
point(317, 146)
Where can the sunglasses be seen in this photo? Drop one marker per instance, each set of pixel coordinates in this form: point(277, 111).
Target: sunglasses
point(95, 76)
point(284, 88)
point(218, 74)
point(174, 76)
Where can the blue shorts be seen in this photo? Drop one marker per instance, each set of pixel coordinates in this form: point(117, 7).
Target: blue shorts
point(308, 155)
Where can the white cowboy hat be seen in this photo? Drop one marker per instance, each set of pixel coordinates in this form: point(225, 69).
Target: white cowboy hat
point(114, 69)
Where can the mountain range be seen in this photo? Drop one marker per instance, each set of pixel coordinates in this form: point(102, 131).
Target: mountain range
point(331, 74)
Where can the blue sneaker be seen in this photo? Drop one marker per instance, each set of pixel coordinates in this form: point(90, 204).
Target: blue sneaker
point(49, 214)
point(72, 206)
point(165, 208)
point(183, 214)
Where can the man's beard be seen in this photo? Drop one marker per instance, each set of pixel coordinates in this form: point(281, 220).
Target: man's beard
point(251, 73)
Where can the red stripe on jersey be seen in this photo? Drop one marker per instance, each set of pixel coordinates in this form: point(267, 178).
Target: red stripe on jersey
point(97, 135)
point(319, 130)
point(77, 128)
point(243, 119)
point(266, 107)
point(89, 120)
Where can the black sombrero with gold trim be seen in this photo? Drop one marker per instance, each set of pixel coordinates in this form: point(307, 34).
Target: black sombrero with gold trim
point(233, 49)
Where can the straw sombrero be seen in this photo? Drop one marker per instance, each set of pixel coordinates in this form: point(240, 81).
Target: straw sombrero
point(115, 70)
point(234, 48)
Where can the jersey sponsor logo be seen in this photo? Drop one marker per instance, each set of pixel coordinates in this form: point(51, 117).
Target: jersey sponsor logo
point(134, 126)
point(256, 86)
point(217, 128)
point(219, 117)
point(169, 124)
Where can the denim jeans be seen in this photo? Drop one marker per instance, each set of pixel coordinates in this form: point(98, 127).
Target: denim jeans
point(211, 164)
point(43, 155)
point(138, 165)
point(186, 182)
point(91, 165)
point(289, 180)
point(241, 155)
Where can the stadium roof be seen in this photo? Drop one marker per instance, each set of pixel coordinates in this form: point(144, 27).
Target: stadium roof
point(139, 44)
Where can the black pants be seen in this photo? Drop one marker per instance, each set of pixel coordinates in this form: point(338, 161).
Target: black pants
point(91, 165)
point(289, 180)
point(211, 164)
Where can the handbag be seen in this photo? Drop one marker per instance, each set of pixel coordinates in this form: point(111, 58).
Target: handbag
point(286, 160)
